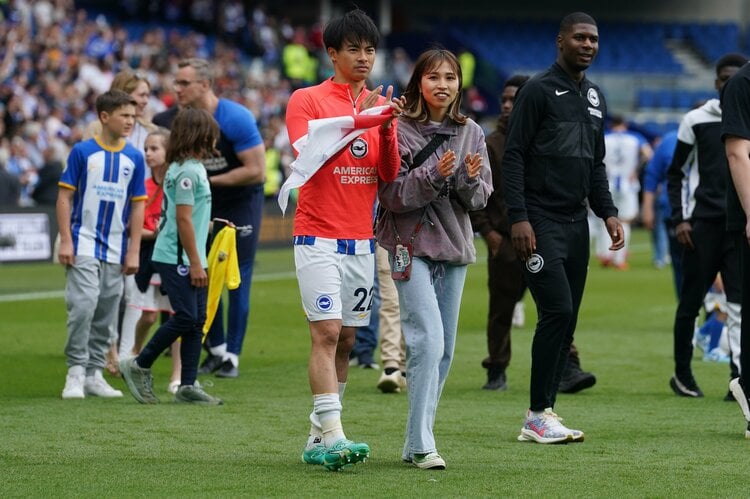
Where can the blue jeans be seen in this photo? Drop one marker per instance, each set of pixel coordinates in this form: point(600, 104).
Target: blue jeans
point(366, 339)
point(430, 301)
point(189, 305)
point(660, 238)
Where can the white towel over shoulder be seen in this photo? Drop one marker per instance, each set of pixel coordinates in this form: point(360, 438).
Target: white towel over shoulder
point(325, 137)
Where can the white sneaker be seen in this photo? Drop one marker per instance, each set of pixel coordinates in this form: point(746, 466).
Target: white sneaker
point(576, 434)
point(519, 315)
point(390, 383)
point(402, 381)
point(97, 386)
point(739, 395)
point(545, 428)
point(431, 461)
point(74, 387)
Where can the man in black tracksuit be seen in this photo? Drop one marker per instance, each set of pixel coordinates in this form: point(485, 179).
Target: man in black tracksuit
point(505, 280)
point(735, 132)
point(553, 163)
point(697, 186)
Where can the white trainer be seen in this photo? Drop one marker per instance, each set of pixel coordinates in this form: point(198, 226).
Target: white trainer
point(73, 387)
point(739, 395)
point(431, 461)
point(390, 383)
point(96, 385)
point(545, 428)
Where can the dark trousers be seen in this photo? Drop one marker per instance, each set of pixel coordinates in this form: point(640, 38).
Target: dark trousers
point(675, 252)
point(744, 250)
point(715, 250)
point(556, 282)
point(506, 285)
point(189, 305)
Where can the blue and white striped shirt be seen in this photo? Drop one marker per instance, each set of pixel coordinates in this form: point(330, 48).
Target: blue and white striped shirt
point(105, 180)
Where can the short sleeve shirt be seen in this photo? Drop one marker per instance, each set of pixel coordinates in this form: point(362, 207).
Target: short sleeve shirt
point(735, 121)
point(185, 184)
point(105, 182)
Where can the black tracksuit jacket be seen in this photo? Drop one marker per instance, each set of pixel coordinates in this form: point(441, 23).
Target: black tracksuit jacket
point(554, 151)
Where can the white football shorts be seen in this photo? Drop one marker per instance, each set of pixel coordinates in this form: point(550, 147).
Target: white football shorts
point(335, 278)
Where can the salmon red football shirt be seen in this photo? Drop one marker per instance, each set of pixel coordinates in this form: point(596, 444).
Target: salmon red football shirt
point(337, 202)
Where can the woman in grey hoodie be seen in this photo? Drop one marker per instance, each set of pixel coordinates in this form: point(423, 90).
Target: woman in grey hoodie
point(425, 227)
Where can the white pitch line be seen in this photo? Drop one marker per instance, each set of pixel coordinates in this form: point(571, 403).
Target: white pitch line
point(270, 277)
point(37, 295)
point(47, 295)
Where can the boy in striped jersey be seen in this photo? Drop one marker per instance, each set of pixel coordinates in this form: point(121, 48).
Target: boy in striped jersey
point(100, 214)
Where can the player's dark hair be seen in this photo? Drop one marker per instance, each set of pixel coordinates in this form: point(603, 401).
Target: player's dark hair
point(353, 27)
point(193, 136)
point(516, 81)
point(416, 107)
point(111, 100)
point(616, 120)
point(732, 60)
point(567, 22)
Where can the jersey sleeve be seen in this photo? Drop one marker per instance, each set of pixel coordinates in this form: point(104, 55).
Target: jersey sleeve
point(186, 182)
point(389, 161)
point(735, 105)
point(73, 168)
point(299, 113)
point(138, 184)
point(654, 172)
point(242, 129)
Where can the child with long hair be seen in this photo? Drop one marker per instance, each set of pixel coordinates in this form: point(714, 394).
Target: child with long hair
point(180, 259)
point(444, 174)
point(147, 300)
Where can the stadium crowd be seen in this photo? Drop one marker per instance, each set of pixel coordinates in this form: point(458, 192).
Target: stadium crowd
point(55, 59)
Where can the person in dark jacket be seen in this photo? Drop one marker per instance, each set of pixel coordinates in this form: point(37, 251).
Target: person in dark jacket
point(735, 133)
point(553, 164)
point(504, 271)
point(697, 186)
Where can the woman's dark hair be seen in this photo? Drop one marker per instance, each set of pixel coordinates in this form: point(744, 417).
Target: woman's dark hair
point(194, 134)
point(416, 107)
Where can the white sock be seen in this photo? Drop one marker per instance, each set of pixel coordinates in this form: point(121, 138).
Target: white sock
point(127, 331)
point(76, 370)
point(219, 350)
point(327, 407)
point(316, 432)
point(342, 389)
point(233, 358)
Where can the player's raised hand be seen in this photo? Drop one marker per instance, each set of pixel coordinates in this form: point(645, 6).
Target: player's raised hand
point(372, 98)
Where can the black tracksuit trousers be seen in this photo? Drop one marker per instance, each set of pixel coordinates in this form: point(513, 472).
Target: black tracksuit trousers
point(556, 276)
point(715, 250)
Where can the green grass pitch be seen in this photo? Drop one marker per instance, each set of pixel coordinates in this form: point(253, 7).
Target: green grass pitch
point(641, 440)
